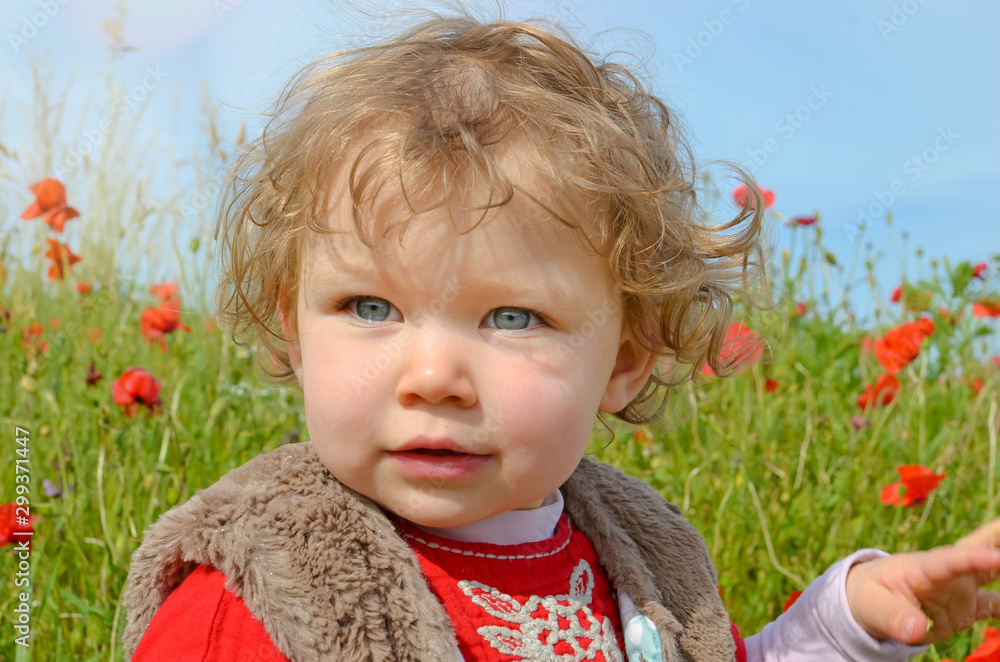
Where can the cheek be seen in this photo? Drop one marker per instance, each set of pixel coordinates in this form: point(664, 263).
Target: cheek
point(559, 395)
point(336, 392)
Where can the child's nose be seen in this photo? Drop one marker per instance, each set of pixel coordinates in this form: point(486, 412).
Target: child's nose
point(436, 369)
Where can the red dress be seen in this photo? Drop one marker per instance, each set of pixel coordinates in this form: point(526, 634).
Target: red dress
point(203, 621)
point(536, 600)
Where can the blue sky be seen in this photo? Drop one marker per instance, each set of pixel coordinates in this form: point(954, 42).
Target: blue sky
point(846, 108)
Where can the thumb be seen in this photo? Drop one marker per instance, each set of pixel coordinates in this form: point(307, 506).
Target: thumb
point(889, 616)
point(909, 625)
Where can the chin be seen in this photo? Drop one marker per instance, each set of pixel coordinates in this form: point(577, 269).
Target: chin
point(443, 521)
point(442, 515)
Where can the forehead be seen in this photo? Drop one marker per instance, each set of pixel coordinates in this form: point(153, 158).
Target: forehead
point(501, 240)
point(375, 202)
point(518, 246)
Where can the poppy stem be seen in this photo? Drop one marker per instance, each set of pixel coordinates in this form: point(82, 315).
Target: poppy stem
point(767, 540)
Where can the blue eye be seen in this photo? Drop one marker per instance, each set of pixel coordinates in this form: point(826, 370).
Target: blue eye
point(370, 309)
point(510, 319)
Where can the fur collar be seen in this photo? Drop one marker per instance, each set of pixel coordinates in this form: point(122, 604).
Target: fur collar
point(323, 569)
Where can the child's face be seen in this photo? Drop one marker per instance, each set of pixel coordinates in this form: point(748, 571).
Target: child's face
point(440, 393)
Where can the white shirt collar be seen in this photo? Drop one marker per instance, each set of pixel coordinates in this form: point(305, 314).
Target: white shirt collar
point(513, 527)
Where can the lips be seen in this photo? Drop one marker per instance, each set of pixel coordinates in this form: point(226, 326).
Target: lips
point(434, 446)
point(442, 459)
point(436, 451)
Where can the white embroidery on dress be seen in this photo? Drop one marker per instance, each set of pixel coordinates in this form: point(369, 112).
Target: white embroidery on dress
point(544, 622)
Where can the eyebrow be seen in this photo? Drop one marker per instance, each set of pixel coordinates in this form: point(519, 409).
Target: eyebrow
point(556, 298)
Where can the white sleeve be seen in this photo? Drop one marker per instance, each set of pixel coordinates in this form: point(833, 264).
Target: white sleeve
point(819, 627)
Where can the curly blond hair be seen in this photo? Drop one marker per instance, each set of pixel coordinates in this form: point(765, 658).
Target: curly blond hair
point(446, 97)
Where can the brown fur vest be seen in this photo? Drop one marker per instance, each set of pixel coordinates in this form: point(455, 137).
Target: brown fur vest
point(322, 568)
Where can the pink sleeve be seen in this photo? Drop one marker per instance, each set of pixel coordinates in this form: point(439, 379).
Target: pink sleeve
point(819, 627)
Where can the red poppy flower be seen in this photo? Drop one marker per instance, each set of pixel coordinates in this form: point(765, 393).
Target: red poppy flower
point(55, 323)
point(157, 321)
point(800, 308)
point(60, 255)
point(136, 387)
point(977, 271)
point(92, 375)
point(897, 348)
point(167, 290)
point(771, 385)
point(13, 525)
point(50, 201)
point(996, 359)
point(741, 197)
point(804, 220)
point(792, 599)
point(32, 334)
point(94, 334)
point(896, 294)
point(83, 288)
point(740, 347)
point(881, 393)
point(31, 338)
point(986, 308)
point(976, 385)
point(917, 482)
point(989, 650)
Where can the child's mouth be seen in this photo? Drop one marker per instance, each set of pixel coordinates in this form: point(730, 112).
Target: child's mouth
point(439, 463)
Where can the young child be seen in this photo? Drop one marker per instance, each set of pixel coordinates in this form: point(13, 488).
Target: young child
point(474, 239)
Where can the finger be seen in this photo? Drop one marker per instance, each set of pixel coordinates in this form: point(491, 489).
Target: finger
point(945, 563)
point(888, 615)
point(987, 605)
point(906, 623)
point(988, 535)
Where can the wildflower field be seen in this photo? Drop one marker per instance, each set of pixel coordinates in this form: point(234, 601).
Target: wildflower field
point(120, 399)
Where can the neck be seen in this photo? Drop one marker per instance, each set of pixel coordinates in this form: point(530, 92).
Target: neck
point(513, 527)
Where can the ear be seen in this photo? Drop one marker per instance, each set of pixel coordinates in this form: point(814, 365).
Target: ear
point(632, 370)
point(289, 329)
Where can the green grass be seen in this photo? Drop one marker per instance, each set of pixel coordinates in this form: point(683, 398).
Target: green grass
point(126, 471)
